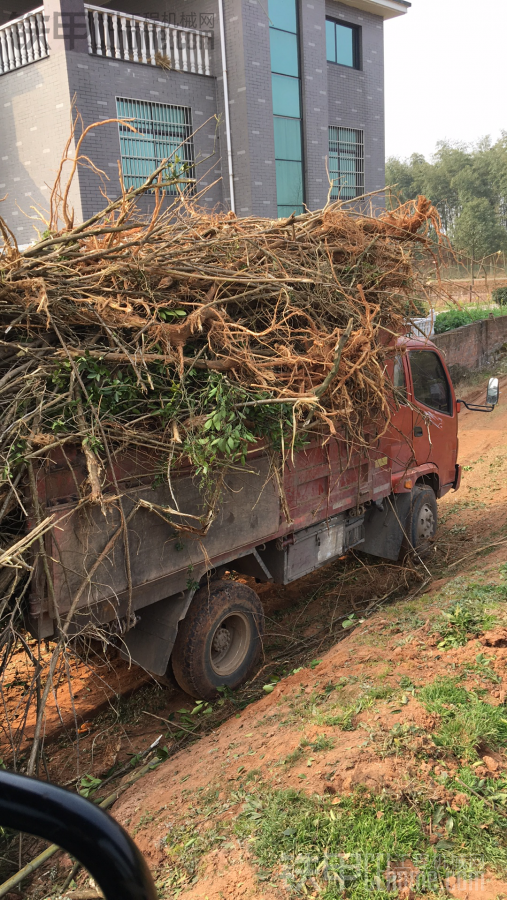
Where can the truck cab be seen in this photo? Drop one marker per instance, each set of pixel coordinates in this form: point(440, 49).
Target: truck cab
point(423, 435)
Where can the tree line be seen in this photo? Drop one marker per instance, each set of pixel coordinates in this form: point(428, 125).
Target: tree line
point(467, 184)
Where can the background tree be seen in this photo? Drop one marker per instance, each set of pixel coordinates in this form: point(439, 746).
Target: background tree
point(468, 185)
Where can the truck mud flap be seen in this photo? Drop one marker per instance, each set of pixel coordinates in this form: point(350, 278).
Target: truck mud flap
point(150, 643)
point(384, 526)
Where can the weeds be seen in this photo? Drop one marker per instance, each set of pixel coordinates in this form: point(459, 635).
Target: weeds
point(467, 722)
point(344, 847)
point(469, 617)
point(184, 849)
point(344, 719)
point(483, 669)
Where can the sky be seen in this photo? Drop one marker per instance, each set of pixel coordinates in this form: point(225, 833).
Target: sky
point(445, 74)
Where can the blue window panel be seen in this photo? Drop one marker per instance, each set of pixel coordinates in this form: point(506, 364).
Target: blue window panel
point(330, 41)
point(284, 212)
point(282, 14)
point(284, 52)
point(342, 44)
point(289, 182)
point(163, 132)
point(285, 92)
point(345, 45)
point(345, 177)
point(287, 138)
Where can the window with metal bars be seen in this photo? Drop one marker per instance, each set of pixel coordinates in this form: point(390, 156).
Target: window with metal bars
point(346, 162)
point(162, 132)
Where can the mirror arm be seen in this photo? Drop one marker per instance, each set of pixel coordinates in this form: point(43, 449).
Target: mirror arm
point(474, 408)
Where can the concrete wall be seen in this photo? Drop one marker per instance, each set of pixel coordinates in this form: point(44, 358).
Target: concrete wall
point(472, 346)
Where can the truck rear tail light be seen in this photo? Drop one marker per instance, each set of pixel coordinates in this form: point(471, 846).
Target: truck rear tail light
point(458, 406)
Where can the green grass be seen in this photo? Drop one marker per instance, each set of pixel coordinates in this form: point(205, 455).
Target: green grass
point(467, 722)
point(471, 615)
point(344, 718)
point(342, 849)
point(184, 848)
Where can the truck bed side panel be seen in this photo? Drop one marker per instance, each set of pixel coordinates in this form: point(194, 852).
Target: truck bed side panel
point(249, 512)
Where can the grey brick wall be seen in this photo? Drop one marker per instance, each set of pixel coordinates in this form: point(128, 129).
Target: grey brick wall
point(356, 98)
point(248, 59)
point(315, 100)
point(96, 82)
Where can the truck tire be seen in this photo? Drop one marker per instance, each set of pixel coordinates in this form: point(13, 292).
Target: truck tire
point(219, 640)
point(422, 520)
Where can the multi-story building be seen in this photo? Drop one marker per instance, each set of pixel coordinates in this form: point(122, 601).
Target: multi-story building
point(272, 105)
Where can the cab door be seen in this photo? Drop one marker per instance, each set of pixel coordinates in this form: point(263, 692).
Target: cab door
point(435, 434)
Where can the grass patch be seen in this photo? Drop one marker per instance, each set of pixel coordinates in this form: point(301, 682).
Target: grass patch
point(471, 616)
point(344, 718)
point(185, 847)
point(483, 669)
point(343, 847)
point(467, 721)
point(321, 742)
point(317, 842)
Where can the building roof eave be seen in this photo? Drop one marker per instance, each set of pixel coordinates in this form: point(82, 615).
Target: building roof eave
point(387, 9)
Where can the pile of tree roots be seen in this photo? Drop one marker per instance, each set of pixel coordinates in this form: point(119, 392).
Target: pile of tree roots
point(192, 335)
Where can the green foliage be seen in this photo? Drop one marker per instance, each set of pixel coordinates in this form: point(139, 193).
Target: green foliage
point(455, 318)
point(472, 615)
point(467, 722)
point(342, 848)
point(499, 296)
point(463, 622)
point(467, 184)
point(88, 785)
point(222, 439)
point(477, 232)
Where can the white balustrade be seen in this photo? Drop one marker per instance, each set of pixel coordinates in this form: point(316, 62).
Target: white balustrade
point(137, 39)
point(23, 41)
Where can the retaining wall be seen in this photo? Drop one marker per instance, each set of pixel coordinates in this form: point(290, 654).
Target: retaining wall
point(472, 346)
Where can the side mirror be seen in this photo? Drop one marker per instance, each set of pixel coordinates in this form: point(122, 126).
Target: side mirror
point(493, 392)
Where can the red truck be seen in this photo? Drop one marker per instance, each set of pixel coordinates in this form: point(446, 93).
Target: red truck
point(164, 594)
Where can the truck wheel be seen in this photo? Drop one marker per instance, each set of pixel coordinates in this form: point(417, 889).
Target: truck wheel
point(422, 521)
point(219, 640)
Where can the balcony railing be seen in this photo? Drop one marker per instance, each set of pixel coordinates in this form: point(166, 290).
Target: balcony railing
point(23, 41)
point(134, 38)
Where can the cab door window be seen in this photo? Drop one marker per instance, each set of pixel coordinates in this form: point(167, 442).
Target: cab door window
point(431, 386)
point(399, 385)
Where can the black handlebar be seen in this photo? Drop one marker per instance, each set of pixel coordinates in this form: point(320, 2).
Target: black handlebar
point(82, 829)
point(474, 407)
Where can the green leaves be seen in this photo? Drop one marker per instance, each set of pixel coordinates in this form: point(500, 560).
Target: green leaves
point(88, 785)
point(167, 315)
